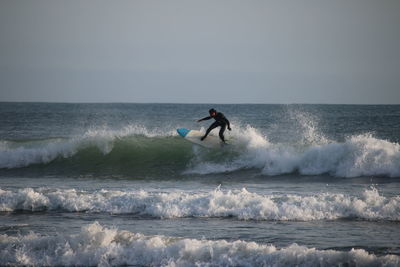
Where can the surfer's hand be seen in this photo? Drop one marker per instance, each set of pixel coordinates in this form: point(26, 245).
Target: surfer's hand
point(229, 128)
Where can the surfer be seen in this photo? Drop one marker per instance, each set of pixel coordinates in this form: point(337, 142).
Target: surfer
point(220, 121)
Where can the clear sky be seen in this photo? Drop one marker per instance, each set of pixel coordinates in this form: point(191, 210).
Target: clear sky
point(205, 51)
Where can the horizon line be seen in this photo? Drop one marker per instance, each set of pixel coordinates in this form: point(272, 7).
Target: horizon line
point(194, 103)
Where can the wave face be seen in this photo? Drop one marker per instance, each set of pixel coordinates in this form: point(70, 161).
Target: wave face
point(98, 245)
point(239, 204)
point(134, 150)
point(130, 150)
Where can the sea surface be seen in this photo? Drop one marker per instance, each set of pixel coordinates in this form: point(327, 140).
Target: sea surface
point(113, 184)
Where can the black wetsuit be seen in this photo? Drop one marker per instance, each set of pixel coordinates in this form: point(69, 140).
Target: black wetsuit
point(220, 120)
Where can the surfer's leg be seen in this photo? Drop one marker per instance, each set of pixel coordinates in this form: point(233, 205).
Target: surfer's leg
point(212, 126)
point(221, 132)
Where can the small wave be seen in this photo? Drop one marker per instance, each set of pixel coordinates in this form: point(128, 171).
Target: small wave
point(99, 245)
point(240, 204)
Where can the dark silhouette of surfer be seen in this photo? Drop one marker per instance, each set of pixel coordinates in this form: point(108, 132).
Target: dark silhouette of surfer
point(220, 121)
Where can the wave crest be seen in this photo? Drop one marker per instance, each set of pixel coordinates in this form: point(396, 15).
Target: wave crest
point(22, 154)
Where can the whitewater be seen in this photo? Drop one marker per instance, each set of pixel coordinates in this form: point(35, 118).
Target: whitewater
point(240, 204)
point(113, 184)
point(97, 245)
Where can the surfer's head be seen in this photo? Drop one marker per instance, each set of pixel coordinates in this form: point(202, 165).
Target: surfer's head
point(212, 112)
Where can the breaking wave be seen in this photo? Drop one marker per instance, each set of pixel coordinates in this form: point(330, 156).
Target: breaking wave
point(240, 204)
point(136, 150)
point(99, 245)
point(361, 155)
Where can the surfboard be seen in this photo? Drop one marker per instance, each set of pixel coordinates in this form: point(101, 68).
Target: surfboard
point(194, 137)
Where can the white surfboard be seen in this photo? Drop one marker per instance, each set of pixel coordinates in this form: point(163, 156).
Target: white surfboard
point(194, 137)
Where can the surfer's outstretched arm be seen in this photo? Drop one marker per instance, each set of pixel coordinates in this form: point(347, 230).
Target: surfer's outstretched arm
point(205, 118)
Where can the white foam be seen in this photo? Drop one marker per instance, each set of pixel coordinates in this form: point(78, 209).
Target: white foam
point(98, 245)
point(362, 155)
point(241, 204)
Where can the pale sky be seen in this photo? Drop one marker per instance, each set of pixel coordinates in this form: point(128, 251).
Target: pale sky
point(205, 51)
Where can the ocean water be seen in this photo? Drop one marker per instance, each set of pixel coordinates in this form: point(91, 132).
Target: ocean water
point(113, 184)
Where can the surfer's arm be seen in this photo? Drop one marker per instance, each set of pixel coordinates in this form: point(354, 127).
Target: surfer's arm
point(204, 119)
point(227, 123)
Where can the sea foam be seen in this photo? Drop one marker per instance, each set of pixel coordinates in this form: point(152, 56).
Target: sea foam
point(239, 204)
point(361, 155)
point(102, 246)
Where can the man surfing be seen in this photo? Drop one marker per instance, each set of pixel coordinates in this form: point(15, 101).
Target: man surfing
point(220, 121)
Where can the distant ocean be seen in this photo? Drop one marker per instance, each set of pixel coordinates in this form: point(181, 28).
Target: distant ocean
point(113, 184)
